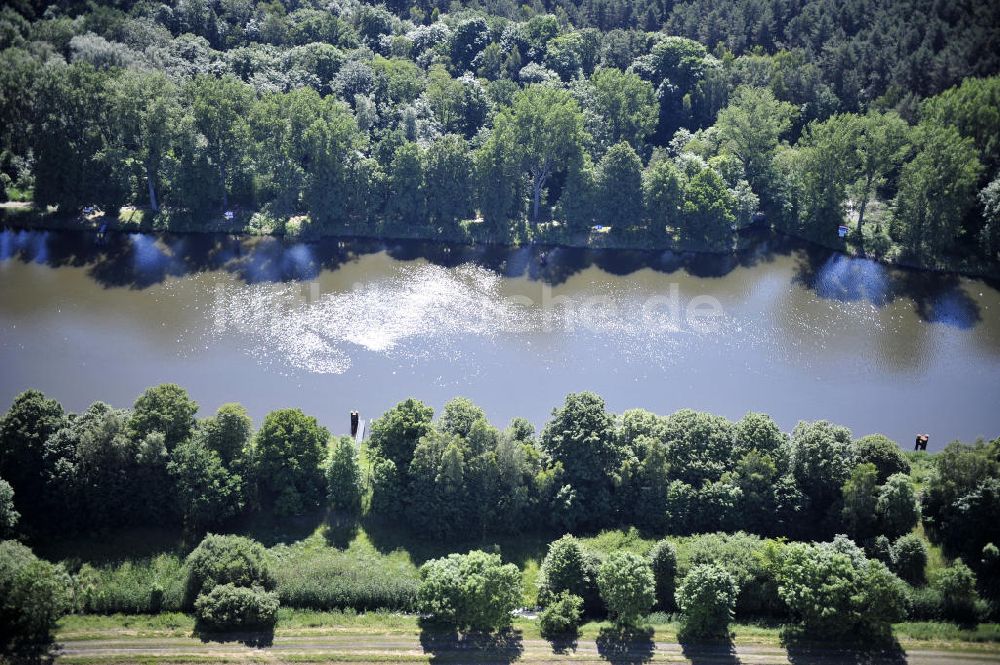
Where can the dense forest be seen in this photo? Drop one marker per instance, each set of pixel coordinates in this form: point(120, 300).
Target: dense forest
point(742, 496)
point(643, 124)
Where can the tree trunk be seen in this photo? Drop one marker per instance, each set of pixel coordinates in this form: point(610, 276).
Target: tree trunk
point(536, 199)
point(864, 204)
point(153, 204)
point(225, 195)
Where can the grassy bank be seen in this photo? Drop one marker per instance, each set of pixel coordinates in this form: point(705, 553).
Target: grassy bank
point(303, 623)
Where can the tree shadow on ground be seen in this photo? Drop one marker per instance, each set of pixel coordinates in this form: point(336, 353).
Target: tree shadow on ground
point(450, 646)
point(626, 646)
point(391, 535)
point(804, 649)
point(256, 639)
point(341, 529)
point(564, 643)
point(708, 652)
point(40, 650)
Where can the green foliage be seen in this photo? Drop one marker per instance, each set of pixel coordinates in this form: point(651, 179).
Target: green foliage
point(24, 429)
point(627, 587)
point(561, 616)
point(909, 558)
point(207, 492)
point(861, 495)
point(312, 574)
point(626, 105)
point(663, 561)
point(540, 131)
point(957, 586)
point(469, 591)
point(8, 516)
point(167, 409)
point(34, 594)
point(227, 560)
point(881, 451)
point(750, 127)
point(707, 597)
point(936, 189)
point(962, 495)
point(135, 586)
point(834, 590)
point(394, 435)
point(228, 432)
point(567, 567)
point(229, 607)
point(288, 451)
point(343, 476)
point(896, 506)
point(820, 462)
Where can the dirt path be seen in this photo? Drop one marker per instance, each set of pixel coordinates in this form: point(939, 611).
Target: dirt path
point(359, 648)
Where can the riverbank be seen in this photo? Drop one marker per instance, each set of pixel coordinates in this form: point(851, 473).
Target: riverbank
point(24, 215)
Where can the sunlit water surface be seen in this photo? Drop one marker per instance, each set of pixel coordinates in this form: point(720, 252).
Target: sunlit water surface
point(335, 326)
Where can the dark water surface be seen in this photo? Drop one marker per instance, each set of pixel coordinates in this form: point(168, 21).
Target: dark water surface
point(334, 326)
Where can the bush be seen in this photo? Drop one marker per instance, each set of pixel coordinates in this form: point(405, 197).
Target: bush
point(881, 451)
point(707, 598)
point(896, 506)
point(562, 616)
point(132, 587)
point(567, 567)
point(231, 607)
point(627, 587)
point(358, 577)
point(469, 591)
point(752, 561)
point(834, 590)
point(909, 558)
point(227, 559)
point(33, 595)
point(959, 599)
point(663, 561)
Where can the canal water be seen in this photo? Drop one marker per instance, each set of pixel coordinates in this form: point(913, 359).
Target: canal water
point(334, 325)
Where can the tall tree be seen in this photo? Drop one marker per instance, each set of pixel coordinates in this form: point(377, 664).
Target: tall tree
point(221, 108)
point(750, 127)
point(619, 187)
point(542, 130)
point(626, 105)
point(936, 189)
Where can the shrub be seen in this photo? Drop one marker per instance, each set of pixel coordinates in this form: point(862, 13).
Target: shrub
point(627, 587)
point(231, 607)
point(358, 577)
point(896, 506)
point(567, 567)
point(834, 590)
point(909, 558)
point(707, 598)
point(33, 595)
point(663, 561)
point(752, 561)
point(957, 586)
point(132, 587)
point(474, 591)
point(227, 559)
point(881, 451)
point(561, 616)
